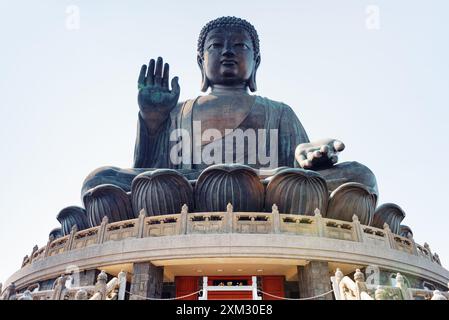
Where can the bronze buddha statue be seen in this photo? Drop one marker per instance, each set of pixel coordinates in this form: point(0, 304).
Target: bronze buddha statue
point(228, 57)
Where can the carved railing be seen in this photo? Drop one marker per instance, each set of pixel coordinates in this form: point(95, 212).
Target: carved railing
point(347, 289)
point(294, 224)
point(232, 222)
point(102, 290)
point(120, 230)
point(158, 226)
point(423, 252)
point(85, 238)
point(337, 229)
point(404, 244)
point(252, 222)
point(213, 222)
point(375, 236)
point(58, 246)
point(38, 255)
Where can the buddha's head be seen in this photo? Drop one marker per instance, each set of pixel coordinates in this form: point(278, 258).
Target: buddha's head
point(228, 53)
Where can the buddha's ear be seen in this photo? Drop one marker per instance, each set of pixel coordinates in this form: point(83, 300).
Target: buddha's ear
point(204, 80)
point(252, 80)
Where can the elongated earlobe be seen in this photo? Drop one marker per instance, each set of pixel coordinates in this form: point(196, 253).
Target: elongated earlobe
point(204, 81)
point(252, 80)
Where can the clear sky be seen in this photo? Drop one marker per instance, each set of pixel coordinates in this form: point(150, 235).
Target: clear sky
point(68, 95)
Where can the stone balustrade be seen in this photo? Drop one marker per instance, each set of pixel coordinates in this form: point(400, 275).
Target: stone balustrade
point(232, 222)
point(346, 288)
point(102, 290)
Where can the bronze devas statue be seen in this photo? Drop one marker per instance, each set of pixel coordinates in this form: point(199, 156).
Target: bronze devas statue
point(228, 58)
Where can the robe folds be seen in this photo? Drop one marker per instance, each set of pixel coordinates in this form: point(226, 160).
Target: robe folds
point(282, 128)
point(155, 151)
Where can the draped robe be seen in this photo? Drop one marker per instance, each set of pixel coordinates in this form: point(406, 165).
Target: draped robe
point(153, 151)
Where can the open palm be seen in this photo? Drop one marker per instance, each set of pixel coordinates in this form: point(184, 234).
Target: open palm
point(318, 154)
point(155, 98)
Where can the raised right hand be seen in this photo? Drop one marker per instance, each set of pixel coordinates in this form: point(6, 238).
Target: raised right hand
point(155, 98)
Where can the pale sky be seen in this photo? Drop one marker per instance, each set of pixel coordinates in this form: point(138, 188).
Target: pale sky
point(69, 95)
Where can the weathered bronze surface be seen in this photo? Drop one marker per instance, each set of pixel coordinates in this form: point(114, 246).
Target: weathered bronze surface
point(55, 233)
point(228, 55)
point(107, 201)
point(159, 192)
point(405, 231)
point(390, 214)
point(297, 191)
point(70, 217)
point(221, 184)
point(351, 199)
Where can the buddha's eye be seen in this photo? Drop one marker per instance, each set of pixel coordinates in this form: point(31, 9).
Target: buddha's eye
point(215, 45)
point(241, 45)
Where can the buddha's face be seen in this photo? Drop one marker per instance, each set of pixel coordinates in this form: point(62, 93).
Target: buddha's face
point(228, 57)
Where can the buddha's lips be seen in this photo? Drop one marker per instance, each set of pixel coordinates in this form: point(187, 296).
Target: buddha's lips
point(227, 62)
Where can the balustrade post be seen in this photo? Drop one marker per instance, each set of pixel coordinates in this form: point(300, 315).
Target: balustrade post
point(336, 284)
point(319, 222)
point(101, 285)
point(141, 223)
point(357, 228)
point(182, 221)
point(413, 244)
point(25, 261)
point(122, 285)
point(102, 231)
point(426, 246)
point(229, 218)
point(47, 248)
point(69, 244)
point(276, 219)
point(35, 248)
point(390, 237)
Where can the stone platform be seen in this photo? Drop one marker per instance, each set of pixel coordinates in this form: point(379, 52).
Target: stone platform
point(252, 239)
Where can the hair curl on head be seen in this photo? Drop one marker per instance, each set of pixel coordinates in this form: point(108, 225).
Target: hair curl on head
point(228, 22)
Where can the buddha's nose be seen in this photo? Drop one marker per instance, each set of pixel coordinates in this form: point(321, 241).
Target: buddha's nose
point(228, 50)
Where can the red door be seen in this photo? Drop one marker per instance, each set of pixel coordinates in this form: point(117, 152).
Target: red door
point(273, 285)
point(229, 295)
point(185, 286)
